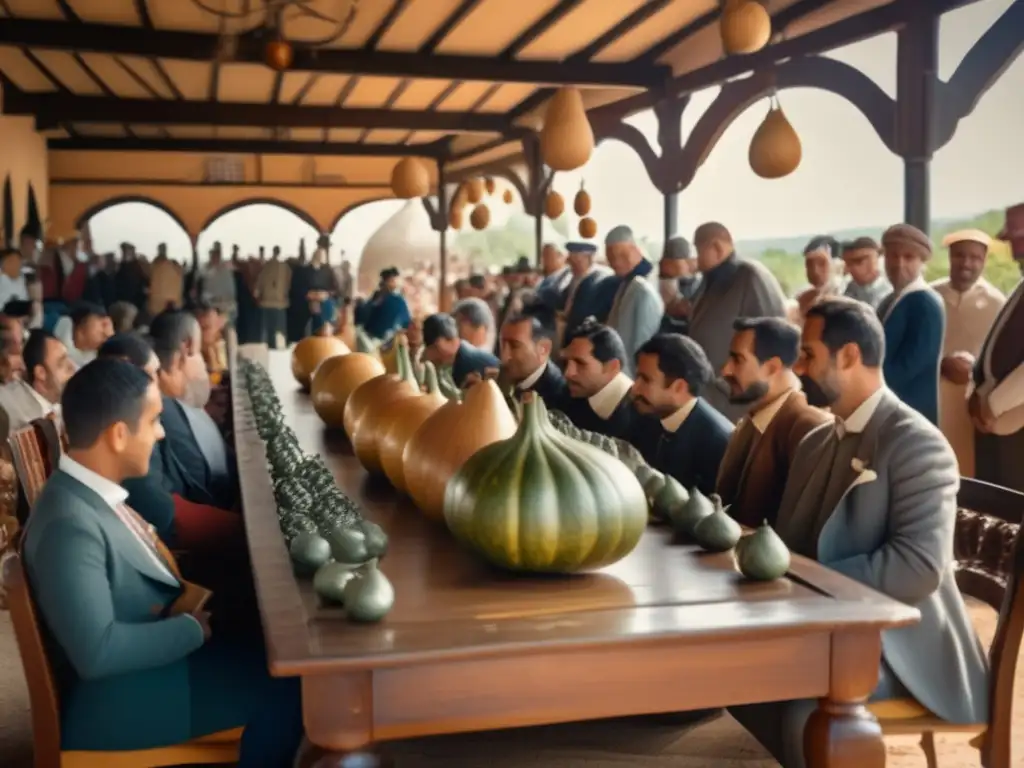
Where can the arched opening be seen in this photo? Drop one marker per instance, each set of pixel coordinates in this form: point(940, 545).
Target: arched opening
point(258, 223)
point(143, 222)
point(356, 225)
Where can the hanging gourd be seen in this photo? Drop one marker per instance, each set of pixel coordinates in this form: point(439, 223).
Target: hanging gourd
point(368, 393)
point(543, 502)
point(566, 140)
point(745, 26)
point(312, 351)
point(475, 190)
point(405, 418)
point(376, 418)
point(489, 185)
point(460, 198)
point(480, 217)
point(775, 150)
point(410, 178)
point(588, 228)
point(278, 54)
point(448, 437)
point(554, 205)
point(336, 379)
point(507, 196)
point(455, 218)
point(581, 203)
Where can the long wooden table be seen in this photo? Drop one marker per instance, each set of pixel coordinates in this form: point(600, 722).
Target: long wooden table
point(465, 649)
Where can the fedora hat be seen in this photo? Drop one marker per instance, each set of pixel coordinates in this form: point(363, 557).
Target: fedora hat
point(1014, 226)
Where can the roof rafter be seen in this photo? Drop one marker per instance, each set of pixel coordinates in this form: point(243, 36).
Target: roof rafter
point(51, 109)
point(194, 46)
point(251, 147)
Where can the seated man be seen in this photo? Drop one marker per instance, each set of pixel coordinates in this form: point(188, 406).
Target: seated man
point(527, 339)
point(759, 373)
point(891, 530)
point(443, 347)
point(86, 329)
point(599, 392)
point(135, 663)
point(37, 393)
point(686, 438)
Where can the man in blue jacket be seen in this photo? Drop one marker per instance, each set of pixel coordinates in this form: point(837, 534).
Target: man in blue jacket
point(914, 322)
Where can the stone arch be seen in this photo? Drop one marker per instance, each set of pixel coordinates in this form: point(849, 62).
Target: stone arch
point(238, 204)
point(352, 207)
point(110, 202)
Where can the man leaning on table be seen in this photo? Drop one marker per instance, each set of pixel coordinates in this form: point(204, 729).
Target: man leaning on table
point(136, 662)
point(872, 495)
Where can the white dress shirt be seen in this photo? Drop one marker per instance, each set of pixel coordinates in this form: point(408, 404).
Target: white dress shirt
point(674, 421)
point(604, 402)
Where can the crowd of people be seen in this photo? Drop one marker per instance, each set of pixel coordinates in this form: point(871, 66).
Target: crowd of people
point(831, 418)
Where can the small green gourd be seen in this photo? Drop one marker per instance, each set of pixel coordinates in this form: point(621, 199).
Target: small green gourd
point(669, 500)
point(309, 552)
point(763, 555)
point(348, 545)
point(330, 581)
point(685, 518)
point(369, 595)
point(717, 532)
point(653, 485)
point(376, 539)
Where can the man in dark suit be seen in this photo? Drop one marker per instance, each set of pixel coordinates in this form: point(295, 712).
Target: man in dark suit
point(759, 374)
point(526, 339)
point(599, 392)
point(443, 347)
point(131, 644)
point(683, 435)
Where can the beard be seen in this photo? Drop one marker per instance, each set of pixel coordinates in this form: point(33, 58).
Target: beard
point(751, 394)
point(820, 395)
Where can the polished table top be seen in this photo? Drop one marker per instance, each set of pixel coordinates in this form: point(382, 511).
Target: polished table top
point(450, 605)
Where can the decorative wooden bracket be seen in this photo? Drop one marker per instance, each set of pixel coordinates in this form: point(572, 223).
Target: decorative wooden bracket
point(538, 177)
point(438, 213)
point(659, 167)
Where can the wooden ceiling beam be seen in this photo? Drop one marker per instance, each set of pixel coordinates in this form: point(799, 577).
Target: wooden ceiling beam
point(194, 46)
point(52, 109)
point(432, 150)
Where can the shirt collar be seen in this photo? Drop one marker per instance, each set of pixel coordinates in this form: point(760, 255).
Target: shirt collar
point(859, 419)
point(534, 377)
point(763, 418)
point(111, 493)
point(604, 402)
point(674, 421)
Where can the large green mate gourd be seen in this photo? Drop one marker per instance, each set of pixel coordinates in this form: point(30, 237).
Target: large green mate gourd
point(543, 502)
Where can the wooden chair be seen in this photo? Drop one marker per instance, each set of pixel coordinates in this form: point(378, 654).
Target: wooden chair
point(989, 551)
point(216, 749)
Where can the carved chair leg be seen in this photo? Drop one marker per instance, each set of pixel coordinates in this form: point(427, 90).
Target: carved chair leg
point(928, 747)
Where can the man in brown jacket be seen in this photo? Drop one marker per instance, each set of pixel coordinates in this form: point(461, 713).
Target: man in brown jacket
point(759, 375)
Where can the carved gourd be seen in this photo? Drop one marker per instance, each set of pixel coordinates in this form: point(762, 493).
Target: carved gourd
point(410, 178)
point(448, 437)
point(588, 228)
point(480, 217)
point(312, 351)
point(745, 26)
point(336, 379)
point(566, 140)
point(543, 502)
point(775, 149)
point(554, 205)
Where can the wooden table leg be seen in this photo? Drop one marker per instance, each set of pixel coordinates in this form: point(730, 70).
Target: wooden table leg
point(337, 711)
point(841, 733)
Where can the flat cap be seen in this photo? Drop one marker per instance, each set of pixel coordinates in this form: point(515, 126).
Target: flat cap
point(577, 246)
point(677, 248)
point(908, 234)
point(967, 236)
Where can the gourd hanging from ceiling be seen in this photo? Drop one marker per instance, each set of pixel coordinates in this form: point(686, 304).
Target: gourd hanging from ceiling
point(507, 196)
point(745, 26)
point(775, 149)
point(475, 190)
point(480, 217)
point(455, 218)
point(566, 138)
point(581, 203)
point(554, 205)
point(410, 178)
point(588, 228)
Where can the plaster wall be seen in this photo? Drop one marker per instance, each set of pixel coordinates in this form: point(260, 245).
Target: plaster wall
point(23, 159)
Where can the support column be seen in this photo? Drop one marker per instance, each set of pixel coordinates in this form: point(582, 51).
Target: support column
point(917, 87)
point(671, 215)
point(439, 223)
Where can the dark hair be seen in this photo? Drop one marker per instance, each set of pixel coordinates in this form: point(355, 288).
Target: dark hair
point(34, 352)
point(823, 241)
point(83, 311)
point(773, 337)
point(101, 394)
point(861, 243)
point(475, 312)
point(848, 321)
point(131, 347)
point(477, 281)
point(604, 339)
point(680, 357)
point(170, 330)
point(540, 317)
point(4, 253)
point(439, 325)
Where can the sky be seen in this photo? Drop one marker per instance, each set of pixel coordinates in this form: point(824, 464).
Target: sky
point(847, 177)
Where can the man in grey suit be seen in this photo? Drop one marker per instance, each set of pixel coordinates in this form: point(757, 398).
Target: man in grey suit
point(873, 496)
point(731, 287)
point(637, 308)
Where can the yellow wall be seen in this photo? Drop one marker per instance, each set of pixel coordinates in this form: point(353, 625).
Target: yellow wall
point(23, 157)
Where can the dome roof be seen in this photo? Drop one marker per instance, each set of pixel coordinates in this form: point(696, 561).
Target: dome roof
point(402, 241)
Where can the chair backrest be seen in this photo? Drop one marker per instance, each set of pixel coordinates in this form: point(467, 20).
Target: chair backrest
point(31, 462)
point(989, 551)
point(51, 436)
point(42, 690)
